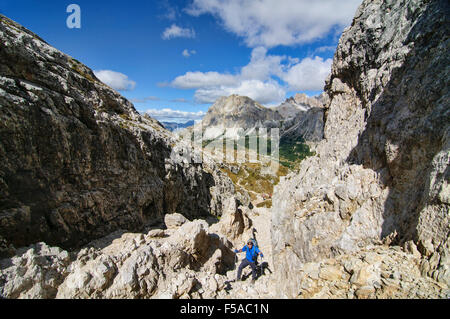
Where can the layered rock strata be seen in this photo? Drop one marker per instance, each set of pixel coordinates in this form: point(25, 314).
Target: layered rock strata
point(381, 172)
point(78, 161)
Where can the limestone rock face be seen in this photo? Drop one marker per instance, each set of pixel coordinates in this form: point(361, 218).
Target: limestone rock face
point(229, 114)
point(122, 265)
point(300, 103)
point(235, 223)
point(36, 272)
point(195, 262)
point(238, 110)
point(373, 272)
point(381, 172)
point(301, 115)
point(307, 125)
point(174, 220)
point(77, 160)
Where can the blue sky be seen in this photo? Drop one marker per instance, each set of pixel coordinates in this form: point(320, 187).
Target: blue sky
point(174, 58)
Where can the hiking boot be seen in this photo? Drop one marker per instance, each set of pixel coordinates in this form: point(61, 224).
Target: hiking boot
point(252, 282)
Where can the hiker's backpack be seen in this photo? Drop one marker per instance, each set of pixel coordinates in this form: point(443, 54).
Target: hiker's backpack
point(255, 244)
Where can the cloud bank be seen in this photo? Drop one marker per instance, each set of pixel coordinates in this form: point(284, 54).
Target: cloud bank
point(270, 23)
point(308, 75)
point(169, 115)
point(266, 78)
point(117, 81)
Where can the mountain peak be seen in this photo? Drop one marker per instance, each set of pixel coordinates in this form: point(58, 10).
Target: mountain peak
point(235, 104)
point(238, 111)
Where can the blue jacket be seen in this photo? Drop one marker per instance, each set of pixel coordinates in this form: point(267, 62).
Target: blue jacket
point(251, 252)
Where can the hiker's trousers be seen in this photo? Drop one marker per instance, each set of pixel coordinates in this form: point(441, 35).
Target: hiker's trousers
point(244, 264)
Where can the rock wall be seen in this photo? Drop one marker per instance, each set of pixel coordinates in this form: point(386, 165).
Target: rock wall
point(381, 172)
point(308, 126)
point(77, 160)
point(188, 259)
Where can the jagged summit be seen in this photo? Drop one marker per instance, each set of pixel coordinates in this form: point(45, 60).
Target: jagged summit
point(304, 102)
point(239, 111)
point(235, 104)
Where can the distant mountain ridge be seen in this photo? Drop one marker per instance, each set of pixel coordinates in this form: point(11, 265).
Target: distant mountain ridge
point(298, 103)
point(230, 114)
point(237, 112)
point(173, 126)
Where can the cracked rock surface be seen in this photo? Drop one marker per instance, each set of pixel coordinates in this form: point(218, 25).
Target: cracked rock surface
point(78, 161)
point(382, 170)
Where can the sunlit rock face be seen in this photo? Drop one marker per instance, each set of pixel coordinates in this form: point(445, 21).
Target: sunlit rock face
point(77, 160)
point(381, 171)
point(237, 115)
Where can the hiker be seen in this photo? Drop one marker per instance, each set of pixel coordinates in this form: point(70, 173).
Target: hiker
point(252, 252)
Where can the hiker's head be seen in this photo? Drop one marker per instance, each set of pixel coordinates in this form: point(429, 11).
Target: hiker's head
point(250, 243)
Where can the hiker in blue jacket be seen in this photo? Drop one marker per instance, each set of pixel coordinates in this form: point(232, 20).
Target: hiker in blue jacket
point(252, 252)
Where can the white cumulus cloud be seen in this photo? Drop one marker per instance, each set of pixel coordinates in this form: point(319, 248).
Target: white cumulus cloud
point(194, 80)
point(187, 53)
point(308, 75)
point(258, 79)
point(260, 91)
point(271, 23)
point(170, 115)
point(175, 31)
point(262, 66)
point(116, 80)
